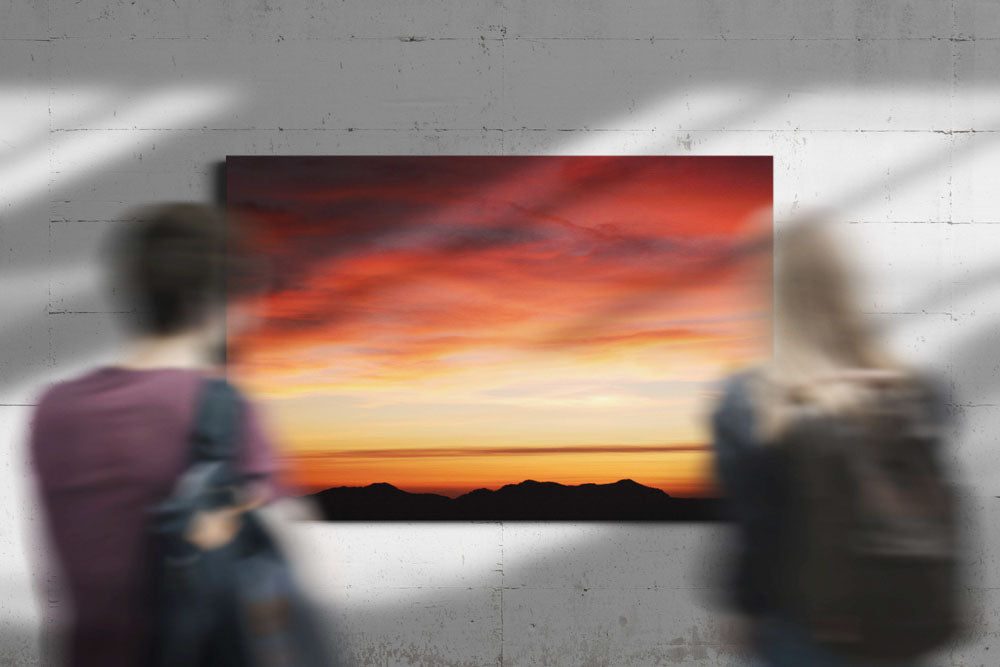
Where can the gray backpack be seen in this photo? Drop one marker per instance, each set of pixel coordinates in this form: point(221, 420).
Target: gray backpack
point(873, 540)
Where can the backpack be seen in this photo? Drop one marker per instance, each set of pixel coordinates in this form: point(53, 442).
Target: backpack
point(873, 569)
point(237, 605)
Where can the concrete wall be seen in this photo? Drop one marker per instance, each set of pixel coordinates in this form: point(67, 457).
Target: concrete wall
point(885, 114)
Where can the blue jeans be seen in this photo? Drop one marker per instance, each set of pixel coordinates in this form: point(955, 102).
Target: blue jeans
point(782, 643)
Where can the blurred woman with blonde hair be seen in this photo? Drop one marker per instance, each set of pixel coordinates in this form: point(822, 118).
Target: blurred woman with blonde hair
point(828, 453)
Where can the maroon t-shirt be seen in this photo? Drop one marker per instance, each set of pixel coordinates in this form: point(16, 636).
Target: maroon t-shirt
point(106, 447)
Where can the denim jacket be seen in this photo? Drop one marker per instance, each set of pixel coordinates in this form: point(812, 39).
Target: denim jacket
point(754, 479)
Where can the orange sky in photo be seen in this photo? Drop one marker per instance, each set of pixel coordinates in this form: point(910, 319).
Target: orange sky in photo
point(449, 323)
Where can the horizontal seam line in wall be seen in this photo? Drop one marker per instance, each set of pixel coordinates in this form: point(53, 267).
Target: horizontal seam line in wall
point(611, 588)
point(483, 587)
point(525, 587)
point(517, 129)
point(720, 38)
point(907, 222)
point(906, 312)
point(493, 38)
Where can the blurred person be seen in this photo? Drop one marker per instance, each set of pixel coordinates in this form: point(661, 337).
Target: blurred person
point(109, 445)
point(830, 456)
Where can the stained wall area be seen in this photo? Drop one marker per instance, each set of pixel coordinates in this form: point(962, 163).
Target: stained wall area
point(882, 115)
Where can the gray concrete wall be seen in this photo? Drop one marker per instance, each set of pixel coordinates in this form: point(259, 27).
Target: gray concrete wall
point(885, 114)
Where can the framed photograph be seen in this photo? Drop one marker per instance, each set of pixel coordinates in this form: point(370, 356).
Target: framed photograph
point(502, 337)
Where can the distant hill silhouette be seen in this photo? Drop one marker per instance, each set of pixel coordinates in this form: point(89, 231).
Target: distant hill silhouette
point(624, 500)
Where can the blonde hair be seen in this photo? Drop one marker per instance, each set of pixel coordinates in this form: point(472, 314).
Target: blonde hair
point(822, 341)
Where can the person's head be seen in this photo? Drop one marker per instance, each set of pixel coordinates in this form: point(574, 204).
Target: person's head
point(172, 264)
point(819, 324)
point(821, 335)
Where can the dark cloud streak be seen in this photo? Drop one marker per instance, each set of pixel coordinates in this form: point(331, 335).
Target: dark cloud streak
point(449, 452)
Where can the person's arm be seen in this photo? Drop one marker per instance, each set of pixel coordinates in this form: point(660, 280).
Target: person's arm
point(746, 471)
point(257, 462)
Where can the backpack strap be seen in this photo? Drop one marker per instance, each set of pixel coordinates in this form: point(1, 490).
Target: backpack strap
point(215, 433)
point(210, 479)
point(214, 440)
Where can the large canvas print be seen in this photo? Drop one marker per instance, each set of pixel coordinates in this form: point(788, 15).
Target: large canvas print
point(500, 337)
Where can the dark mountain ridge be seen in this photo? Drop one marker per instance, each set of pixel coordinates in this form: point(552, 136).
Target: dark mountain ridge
point(624, 500)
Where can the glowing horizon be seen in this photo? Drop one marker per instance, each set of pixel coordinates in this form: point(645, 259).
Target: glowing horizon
point(465, 322)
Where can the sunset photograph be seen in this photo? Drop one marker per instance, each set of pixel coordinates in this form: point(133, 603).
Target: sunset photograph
point(442, 325)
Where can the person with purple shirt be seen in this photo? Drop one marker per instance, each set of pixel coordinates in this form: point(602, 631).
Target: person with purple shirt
point(109, 445)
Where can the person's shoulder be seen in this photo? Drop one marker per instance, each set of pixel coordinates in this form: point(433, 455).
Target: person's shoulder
point(737, 385)
point(59, 402)
point(734, 403)
point(50, 393)
point(59, 391)
point(913, 384)
point(95, 385)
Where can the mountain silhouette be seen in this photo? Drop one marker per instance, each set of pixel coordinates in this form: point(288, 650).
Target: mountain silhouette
point(624, 500)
